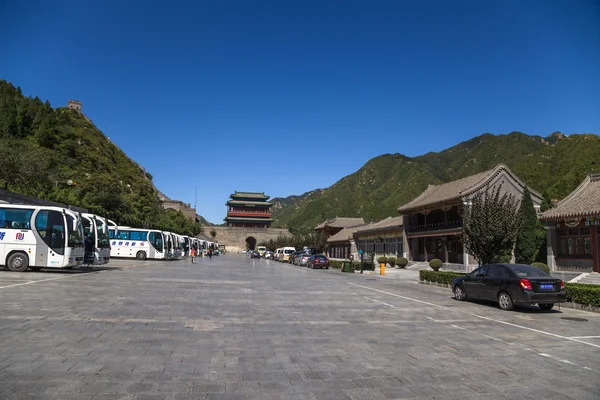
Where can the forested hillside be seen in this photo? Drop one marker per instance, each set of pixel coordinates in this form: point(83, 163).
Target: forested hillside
point(42, 148)
point(554, 166)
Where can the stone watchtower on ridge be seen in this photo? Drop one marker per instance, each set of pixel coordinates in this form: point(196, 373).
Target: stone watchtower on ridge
point(74, 105)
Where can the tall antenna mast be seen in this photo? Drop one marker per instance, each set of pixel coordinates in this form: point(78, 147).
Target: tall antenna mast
point(196, 196)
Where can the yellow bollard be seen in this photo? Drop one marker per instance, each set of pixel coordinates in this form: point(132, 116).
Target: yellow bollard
point(382, 267)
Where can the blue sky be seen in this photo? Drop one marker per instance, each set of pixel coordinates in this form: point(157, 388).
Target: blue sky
point(285, 97)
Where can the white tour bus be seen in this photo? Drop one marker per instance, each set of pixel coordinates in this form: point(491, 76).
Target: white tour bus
point(96, 239)
point(137, 243)
point(39, 237)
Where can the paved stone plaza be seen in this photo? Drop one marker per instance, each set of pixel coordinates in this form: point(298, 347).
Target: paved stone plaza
point(236, 328)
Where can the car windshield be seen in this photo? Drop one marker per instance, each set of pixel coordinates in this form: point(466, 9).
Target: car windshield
point(523, 271)
point(288, 251)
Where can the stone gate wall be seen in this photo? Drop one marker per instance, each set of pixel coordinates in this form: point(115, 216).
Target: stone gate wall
point(234, 239)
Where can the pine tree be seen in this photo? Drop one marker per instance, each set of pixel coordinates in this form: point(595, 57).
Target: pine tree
point(527, 244)
point(490, 225)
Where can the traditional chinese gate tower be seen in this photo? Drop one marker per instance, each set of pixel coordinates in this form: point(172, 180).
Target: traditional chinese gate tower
point(248, 210)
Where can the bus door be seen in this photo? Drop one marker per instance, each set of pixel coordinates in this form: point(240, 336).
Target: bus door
point(50, 226)
point(156, 244)
point(89, 232)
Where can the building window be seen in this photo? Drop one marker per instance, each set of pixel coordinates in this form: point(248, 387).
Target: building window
point(575, 242)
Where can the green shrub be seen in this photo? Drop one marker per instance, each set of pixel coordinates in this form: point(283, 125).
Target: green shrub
point(583, 294)
point(439, 277)
point(541, 266)
point(367, 266)
point(402, 262)
point(382, 260)
point(435, 264)
point(391, 261)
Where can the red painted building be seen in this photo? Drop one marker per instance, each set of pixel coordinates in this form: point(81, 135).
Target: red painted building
point(248, 210)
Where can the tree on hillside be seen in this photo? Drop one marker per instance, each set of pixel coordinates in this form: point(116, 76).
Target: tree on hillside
point(213, 234)
point(527, 243)
point(491, 222)
point(23, 166)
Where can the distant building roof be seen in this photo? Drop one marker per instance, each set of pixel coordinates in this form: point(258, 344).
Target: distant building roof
point(390, 223)
point(250, 195)
point(248, 202)
point(581, 202)
point(456, 190)
point(248, 219)
point(345, 234)
point(340, 222)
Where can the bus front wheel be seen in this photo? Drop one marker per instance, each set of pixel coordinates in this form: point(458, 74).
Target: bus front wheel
point(141, 255)
point(17, 262)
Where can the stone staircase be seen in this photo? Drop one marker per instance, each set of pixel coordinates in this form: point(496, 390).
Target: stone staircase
point(591, 279)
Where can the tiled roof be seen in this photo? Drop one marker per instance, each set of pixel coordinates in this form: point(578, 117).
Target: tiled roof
point(585, 200)
point(385, 224)
point(255, 203)
point(455, 190)
point(237, 219)
point(340, 222)
point(345, 234)
point(250, 195)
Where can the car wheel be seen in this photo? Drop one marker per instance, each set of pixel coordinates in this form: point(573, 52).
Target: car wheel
point(18, 262)
point(141, 255)
point(326, 267)
point(505, 301)
point(459, 293)
point(546, 307)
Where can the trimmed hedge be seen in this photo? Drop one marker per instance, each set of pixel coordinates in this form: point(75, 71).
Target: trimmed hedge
point(541, 266)
point(382, 260)
point(580, 293)
point(439, 276)
point(436, 264)
point(391, 261)
point(583, 294)
point(402, 262)
point(337, 264)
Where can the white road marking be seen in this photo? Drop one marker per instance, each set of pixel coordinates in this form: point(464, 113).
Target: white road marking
point(41, 280)
point(585, 337)
point(380, 302)
point(479, 316)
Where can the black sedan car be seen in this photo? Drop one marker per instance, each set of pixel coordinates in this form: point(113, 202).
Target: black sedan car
point(510, 285)
point(254, 254)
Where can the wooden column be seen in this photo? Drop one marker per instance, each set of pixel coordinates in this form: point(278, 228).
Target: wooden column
point(595, 248)
point(445, 248)
point(425, 248)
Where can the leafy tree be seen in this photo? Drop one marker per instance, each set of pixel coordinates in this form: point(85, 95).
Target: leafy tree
point(23, 167)
point(527, 242)
point(491, 222)
point(213, 233)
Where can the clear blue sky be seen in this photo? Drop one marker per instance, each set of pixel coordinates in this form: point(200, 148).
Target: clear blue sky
point(288, 96)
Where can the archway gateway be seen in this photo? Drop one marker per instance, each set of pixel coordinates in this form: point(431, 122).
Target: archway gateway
point(251, 242)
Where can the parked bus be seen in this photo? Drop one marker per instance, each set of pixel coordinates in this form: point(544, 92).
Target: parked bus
point(39, 237)
point(96, 239)
point(137, 243)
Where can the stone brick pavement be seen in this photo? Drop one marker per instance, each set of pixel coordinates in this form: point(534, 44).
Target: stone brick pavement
point(235, 328)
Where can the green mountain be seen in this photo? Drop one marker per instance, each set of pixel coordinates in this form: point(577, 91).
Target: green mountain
point(554, 166)
point(42, 149)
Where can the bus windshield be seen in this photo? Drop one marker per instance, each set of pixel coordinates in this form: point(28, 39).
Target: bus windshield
point(103, 238)
point(75, 236)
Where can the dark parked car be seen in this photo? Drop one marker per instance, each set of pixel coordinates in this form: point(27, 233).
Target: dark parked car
point(318, 261)
point(510, 285)
point(254, 254)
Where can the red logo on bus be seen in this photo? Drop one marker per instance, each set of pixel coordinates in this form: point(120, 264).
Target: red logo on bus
point(20, 236)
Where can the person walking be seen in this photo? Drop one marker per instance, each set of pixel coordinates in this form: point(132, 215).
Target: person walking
point(210, 253)
point(193, 254)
